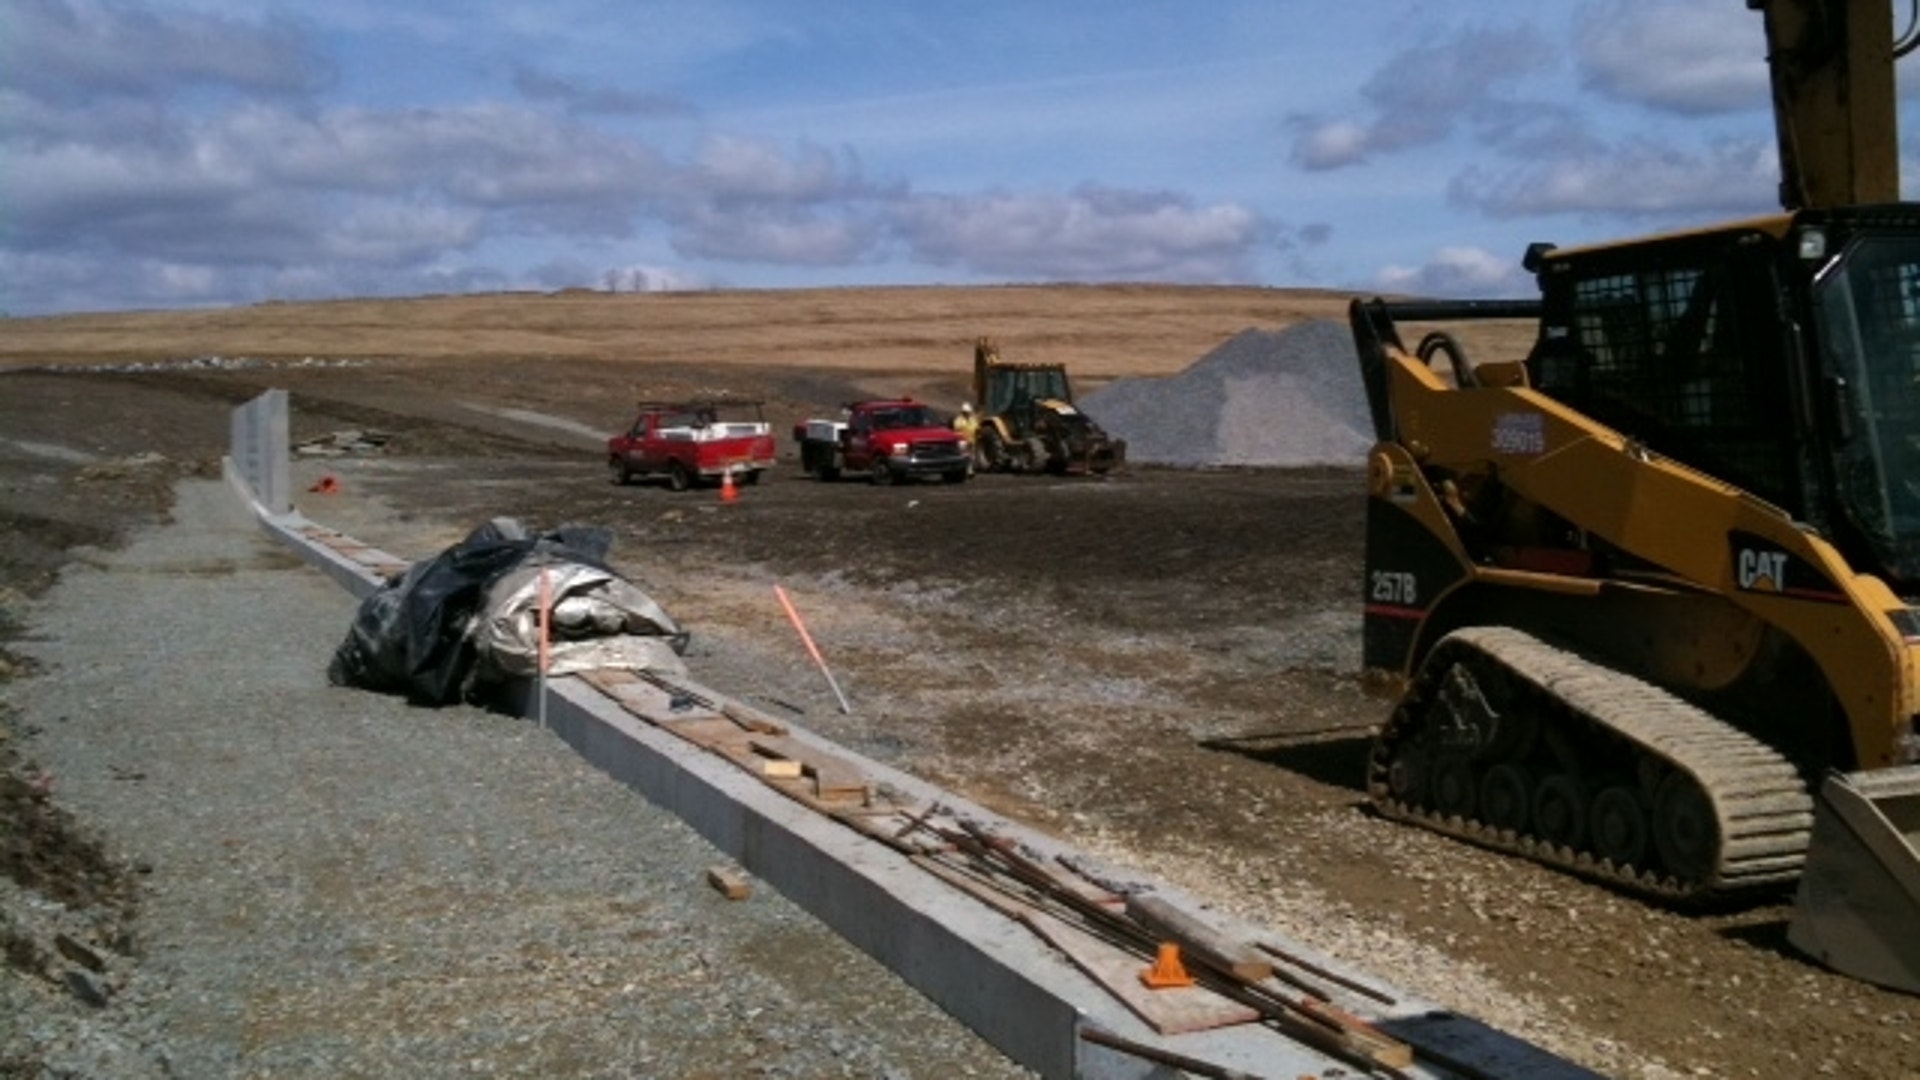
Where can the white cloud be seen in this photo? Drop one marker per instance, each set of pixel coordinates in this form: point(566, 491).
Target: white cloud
point(82, 194)
point(1419, 96)
point(1459, 273)
point(485, 153)
point(728, 167)
point(1327, 144)
point(773, 235)
point(1642, 177)
point(85, 48)
point(399, 234)
point(1092, 233)
point(1691, 57)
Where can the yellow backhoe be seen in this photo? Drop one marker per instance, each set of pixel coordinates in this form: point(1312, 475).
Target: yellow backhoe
point(1649, 594)
point(1025, 420)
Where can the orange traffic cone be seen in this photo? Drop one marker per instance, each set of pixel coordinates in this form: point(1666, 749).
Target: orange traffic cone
point(327, 485)
point(728, 493)
point(1167, 970)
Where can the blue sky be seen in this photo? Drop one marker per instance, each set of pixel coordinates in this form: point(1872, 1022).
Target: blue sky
point(183, 153)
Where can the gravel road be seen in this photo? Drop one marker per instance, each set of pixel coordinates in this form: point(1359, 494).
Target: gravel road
point(337, 884)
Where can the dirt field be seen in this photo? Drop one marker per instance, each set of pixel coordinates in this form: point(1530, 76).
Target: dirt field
point(1159, 664)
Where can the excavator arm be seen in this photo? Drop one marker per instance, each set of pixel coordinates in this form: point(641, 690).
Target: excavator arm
point(1831, 64)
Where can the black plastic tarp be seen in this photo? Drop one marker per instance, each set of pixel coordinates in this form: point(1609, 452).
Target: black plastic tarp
point(426, 633)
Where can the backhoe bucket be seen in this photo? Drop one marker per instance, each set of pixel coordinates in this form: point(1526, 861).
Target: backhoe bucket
point(1858, 910)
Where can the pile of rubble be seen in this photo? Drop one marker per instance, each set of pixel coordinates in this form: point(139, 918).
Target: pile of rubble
point(344, 443)
point(1281, 398)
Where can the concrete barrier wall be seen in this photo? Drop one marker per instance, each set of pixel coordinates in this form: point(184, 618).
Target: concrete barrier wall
point(257, 451)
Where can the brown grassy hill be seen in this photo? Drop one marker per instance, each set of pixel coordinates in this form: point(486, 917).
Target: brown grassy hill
point(1099, 331)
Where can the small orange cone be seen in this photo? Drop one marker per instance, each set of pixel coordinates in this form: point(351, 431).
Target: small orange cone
point(327, 485)
point(728, 493)
point(1167, 970)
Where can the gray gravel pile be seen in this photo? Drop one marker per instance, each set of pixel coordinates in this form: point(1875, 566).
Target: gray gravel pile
point(343, 885)
point(1282, 398)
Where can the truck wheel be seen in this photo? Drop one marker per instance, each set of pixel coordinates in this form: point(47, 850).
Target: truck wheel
point(957, 476)
point(679, 477)
point(750, 477)
point(882, 472)
point(621, 474)
point(828, 472)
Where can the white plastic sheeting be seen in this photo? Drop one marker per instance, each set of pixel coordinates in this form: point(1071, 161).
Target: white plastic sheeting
point(598, 620)
point(470, 616)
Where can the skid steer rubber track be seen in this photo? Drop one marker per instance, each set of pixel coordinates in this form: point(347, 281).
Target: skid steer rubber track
point(1746, 812)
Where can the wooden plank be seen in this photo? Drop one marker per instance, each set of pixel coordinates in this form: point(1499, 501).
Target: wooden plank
point(751, 718)
point(643, 699)
point(1198, 939)
point(715, 733)
point(605, 679)
point(1359, 1036)
point(739, 712)
point(1172, 1011)
point(833, 777)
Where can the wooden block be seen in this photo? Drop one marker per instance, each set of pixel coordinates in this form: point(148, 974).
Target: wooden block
point(1361, 1037)
point(773, 764)
point(832, 776)
point(728, 884)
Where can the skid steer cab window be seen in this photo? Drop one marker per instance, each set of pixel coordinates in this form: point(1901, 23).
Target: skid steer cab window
point(1870, 335)
point(1672, 351)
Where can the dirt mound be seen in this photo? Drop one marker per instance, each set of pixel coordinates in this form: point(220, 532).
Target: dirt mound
point(1265, 397)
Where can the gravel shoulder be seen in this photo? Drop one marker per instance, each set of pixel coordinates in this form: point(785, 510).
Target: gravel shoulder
point(333, 883)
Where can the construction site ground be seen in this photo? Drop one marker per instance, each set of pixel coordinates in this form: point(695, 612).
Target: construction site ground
point(1158, 665)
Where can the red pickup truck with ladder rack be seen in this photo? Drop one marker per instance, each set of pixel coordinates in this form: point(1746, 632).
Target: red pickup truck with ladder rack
point(691, 442)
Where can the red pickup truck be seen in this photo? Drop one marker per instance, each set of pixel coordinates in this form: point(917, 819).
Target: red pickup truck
point(690, 442)
point(886, 441)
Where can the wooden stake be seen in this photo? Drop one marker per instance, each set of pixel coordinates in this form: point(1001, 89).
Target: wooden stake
point(812, 649)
